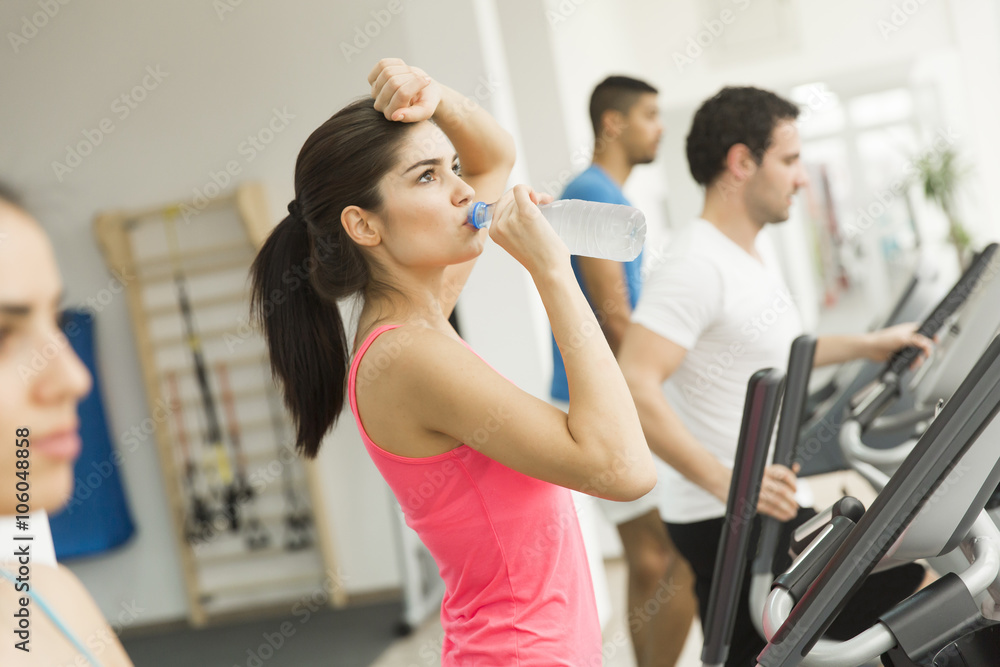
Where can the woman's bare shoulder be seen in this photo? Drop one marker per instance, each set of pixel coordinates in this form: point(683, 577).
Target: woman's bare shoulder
point(409, 340)
point(66, 596)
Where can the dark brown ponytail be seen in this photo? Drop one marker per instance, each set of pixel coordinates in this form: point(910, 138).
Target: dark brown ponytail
point(308, 263)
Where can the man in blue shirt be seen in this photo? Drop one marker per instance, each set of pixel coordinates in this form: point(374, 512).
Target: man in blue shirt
point(627, 129)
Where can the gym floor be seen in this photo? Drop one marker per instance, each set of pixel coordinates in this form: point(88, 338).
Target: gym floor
point(353, 637)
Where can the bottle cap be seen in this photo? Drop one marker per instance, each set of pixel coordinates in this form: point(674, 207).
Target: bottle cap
point(477, 215)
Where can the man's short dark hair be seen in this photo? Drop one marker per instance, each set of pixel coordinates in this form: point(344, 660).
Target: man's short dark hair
point(616, 93)
point(735, 115)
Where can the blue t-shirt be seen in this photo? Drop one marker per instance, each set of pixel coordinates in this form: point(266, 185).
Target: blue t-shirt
point(593, 184)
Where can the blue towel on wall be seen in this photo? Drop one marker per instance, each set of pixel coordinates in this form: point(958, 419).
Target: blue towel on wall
point(97, 517)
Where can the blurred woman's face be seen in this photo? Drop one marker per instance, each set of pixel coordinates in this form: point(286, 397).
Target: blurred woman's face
point(41, 378)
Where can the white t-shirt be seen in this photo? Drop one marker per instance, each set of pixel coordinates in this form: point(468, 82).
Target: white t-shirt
point(734, 315)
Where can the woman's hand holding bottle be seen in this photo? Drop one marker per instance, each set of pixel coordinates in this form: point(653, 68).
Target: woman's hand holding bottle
point(520, 228)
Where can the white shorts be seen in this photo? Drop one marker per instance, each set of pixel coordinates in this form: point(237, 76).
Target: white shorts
point(621, 512)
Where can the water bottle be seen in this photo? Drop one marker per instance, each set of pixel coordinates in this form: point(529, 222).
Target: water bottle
point(591, 229)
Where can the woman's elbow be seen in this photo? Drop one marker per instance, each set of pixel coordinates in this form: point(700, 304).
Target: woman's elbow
point(643, 482)
point(628, 478)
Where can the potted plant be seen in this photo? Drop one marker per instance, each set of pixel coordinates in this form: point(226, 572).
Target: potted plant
point(939, 173)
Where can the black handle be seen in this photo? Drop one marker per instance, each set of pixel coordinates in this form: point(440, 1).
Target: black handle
point(964, 288)
point(759, 413)
point(879, 398)
point(804, 571)
point(804, 535)
point(793, 408)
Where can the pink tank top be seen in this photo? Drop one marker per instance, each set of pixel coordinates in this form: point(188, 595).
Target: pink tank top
point(508, 547)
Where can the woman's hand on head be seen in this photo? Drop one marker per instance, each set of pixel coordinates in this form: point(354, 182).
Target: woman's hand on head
point(520, 228)
point(402, 92)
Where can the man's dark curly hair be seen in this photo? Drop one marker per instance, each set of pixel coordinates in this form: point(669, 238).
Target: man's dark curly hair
point(743, 115)
point(616, 93)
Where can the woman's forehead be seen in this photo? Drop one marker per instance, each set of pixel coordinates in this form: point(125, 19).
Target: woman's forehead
point(28, 272)
point(427, 141)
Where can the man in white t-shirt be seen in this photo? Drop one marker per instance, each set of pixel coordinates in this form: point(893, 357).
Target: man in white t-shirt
point(713, 311)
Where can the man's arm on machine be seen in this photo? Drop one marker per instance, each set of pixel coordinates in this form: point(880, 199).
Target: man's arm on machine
point(648, 360)
point(875, 346)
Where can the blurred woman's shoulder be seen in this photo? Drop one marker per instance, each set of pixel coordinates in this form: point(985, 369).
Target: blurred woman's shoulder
point(62, 593)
